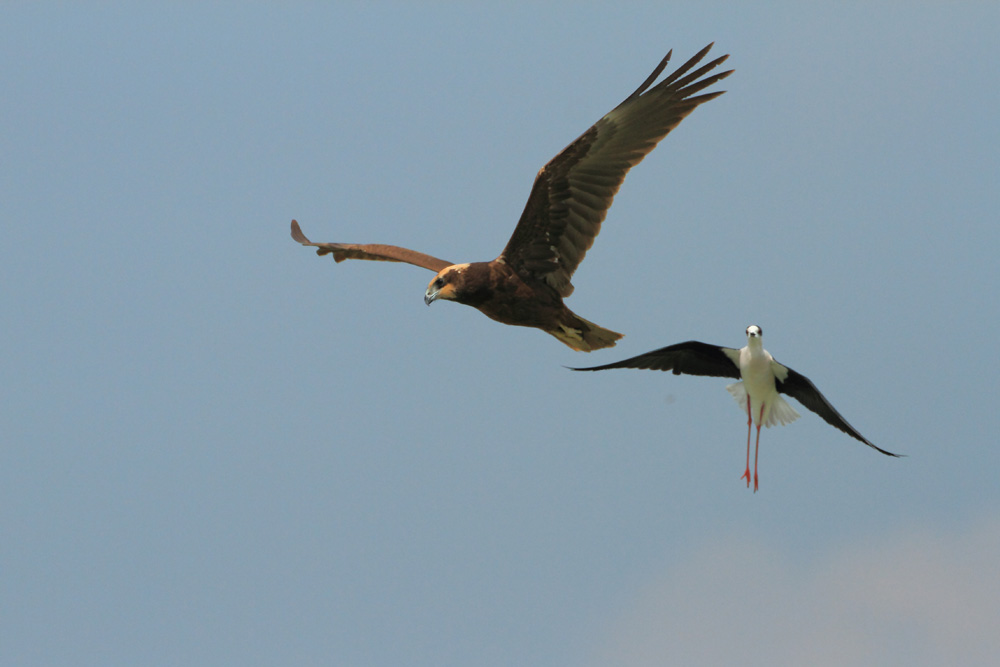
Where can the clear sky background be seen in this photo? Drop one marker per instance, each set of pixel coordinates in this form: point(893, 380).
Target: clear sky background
point(218, 448)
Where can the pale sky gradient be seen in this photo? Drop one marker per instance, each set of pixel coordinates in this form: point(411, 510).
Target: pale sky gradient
point(218, 448)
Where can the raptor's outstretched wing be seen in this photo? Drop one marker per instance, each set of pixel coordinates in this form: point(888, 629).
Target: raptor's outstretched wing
point(371, 251)
point(572, 193)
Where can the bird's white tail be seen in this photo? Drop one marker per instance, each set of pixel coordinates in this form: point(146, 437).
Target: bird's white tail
point(780, 411)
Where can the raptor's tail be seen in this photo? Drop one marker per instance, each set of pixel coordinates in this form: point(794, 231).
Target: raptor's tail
point(584, 336)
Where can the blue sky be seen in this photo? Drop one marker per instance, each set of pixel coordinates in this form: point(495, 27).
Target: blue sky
point(221, 449)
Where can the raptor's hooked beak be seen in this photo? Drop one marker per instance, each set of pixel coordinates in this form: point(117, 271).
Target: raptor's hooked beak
point(430, 295)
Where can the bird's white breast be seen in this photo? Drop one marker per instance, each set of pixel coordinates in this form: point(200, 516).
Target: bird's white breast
point(755, 369)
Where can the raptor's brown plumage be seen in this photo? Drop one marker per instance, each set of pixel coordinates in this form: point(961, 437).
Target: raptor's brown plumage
point(526, 284)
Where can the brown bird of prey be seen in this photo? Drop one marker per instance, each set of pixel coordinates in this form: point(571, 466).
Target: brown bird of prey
point(526, 284)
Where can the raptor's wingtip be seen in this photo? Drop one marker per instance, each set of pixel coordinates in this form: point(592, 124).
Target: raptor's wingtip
point(298, 235)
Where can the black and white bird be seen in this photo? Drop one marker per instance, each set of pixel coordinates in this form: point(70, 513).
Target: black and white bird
point(759, 392)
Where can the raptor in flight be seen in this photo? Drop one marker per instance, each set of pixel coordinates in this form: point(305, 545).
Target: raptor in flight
point(525, 285)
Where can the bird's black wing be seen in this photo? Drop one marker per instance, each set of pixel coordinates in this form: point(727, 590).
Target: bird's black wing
point(572, 193)
point(802, 389)
point(690, 358)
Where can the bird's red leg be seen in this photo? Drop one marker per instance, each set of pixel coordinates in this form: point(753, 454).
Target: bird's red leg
point(756, 451)
point(746, 473)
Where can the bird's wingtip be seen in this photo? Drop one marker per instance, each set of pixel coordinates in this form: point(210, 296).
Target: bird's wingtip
point(298, 235)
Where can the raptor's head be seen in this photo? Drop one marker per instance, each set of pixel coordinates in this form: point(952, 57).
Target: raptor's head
point(446, 284)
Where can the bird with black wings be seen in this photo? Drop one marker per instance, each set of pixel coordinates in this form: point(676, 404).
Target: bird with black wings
point(762, 381)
